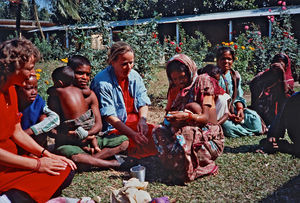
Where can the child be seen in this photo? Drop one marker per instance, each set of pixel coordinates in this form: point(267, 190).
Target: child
point(110, 145)
point(37, 119)
point(223, 101)
point(70, 103)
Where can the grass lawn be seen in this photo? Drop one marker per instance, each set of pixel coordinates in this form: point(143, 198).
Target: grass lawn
point(244, 176)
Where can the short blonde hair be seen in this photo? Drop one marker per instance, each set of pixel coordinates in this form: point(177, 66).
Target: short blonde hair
point(117, 49)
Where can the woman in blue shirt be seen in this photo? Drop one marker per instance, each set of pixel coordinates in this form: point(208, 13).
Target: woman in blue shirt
point(124, 101)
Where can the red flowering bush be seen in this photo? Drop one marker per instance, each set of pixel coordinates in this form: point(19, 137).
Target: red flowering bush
point(263, 49)
point(148, 51)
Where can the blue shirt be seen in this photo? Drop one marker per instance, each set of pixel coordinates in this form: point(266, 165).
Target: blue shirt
point(32, 114)
point(110, 95)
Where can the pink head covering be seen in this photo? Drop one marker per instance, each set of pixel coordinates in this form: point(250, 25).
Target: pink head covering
point(190, 64)
point(288, 77)
point(288, 73)
point(197, 82)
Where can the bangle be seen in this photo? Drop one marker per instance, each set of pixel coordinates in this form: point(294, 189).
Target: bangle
point(238, 108)
point(190, 118)
point(42, 154)
point(38, 165)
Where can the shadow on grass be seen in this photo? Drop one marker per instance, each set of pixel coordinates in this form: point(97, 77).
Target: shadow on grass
point(289, 192)
point(241, 149)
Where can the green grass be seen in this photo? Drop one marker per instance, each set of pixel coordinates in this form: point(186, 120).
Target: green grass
point(244, 176)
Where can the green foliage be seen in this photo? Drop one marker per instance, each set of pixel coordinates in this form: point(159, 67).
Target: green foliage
point(65, 11)
point(195, 47)
point(81, 45)
point(221, 5)
point(148, 53)
point(244, 52)
point(49, 49)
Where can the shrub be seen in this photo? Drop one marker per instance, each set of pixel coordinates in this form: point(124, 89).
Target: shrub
point(148, 51)
point(195, 47)
point(51, 49)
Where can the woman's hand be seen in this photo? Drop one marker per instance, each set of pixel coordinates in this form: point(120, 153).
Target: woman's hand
point(139, 138)
point(239, 116)
point(142, 126)
point(52, 166)
point(63, 159)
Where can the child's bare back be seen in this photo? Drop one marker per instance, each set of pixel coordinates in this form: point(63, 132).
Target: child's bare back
point(72, 102)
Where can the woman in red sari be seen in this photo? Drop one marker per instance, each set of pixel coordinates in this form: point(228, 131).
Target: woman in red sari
point(271, 88)
point(34, 179)
point(189, 145)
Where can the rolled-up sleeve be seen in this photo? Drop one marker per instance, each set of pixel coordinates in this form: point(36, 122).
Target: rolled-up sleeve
point(142, 96)
point(49, 123)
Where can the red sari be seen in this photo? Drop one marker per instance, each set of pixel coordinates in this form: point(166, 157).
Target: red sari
point(135, 150)
point(40, 186)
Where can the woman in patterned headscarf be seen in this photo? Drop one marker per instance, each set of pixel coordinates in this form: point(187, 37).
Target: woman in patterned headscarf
point(189, 146)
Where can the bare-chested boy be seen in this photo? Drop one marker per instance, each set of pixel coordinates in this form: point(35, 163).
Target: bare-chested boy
point(71, 104)
point(110, 145)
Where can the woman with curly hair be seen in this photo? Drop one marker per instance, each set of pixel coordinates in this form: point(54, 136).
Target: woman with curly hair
point(24, 178)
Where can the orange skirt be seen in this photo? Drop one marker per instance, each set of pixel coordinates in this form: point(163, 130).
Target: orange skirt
point(135, 150)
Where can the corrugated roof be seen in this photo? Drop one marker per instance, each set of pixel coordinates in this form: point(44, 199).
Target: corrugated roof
point(212, 16)
point(189, 18)
point(24, 24)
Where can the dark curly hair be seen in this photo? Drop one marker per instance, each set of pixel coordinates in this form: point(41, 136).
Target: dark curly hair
point(14, 54)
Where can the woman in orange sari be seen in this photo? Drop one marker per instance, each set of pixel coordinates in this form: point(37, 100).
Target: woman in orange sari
point(23, 178)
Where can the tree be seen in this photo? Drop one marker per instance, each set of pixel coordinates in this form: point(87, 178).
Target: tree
point(37, 18)
point(65, 11)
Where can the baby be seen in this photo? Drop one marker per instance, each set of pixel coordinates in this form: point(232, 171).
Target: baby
point(223, 101)
point(71, 103)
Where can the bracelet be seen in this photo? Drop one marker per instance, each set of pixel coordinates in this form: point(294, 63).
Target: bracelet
point(42, 154)
point(190, 118)
point(38, 165)
point(238, 108)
